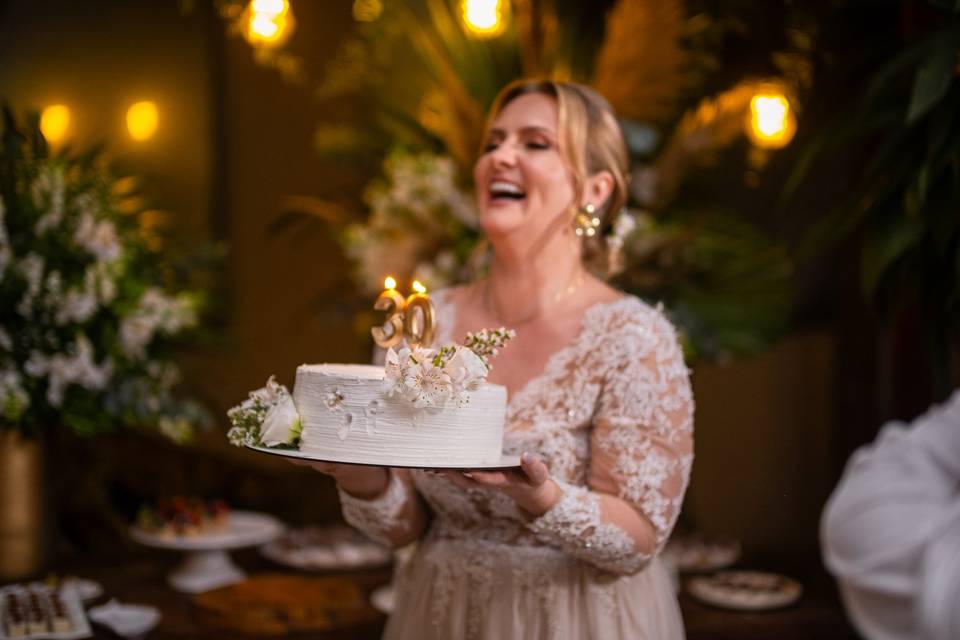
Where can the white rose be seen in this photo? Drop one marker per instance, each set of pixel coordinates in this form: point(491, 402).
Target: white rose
point(466, 368)
point(282, 423)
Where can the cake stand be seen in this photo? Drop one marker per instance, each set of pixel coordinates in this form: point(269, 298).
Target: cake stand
point(208, 564)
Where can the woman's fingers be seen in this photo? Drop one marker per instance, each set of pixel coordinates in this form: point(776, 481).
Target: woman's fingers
point(534, 468)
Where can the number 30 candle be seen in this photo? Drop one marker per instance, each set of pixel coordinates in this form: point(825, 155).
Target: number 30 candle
point(412, 318)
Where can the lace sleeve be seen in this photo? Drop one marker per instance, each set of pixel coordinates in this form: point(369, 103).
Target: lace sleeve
point(640, 455)
point(391, 517)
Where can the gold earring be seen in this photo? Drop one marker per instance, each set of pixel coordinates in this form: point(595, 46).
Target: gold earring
point(586, 223)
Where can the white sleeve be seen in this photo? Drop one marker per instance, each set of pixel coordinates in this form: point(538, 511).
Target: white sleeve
point(890, 525)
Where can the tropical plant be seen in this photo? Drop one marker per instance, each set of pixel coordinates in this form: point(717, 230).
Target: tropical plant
point(87, 320)
point(904, 207)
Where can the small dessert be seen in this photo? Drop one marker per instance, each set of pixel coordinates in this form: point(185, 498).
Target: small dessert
point(14, 616)
point(36, 613)
point(59, 619)
point(179, 517)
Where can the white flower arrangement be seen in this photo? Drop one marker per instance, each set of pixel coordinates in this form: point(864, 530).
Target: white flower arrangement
point(268, 418)
point(86, 319)
point(421, 223)
point(433, 379)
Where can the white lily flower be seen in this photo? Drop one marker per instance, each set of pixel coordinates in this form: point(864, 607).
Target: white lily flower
point(281, 424)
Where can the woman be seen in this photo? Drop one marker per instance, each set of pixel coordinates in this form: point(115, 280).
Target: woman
point(600, 408)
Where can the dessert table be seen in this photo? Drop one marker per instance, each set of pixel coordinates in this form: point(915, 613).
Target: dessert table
point(139, 576)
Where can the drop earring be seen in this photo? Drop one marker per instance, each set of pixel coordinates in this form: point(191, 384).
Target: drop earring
point(586, 222)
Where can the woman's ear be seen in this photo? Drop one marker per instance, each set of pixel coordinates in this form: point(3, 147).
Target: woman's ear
point(598, 188)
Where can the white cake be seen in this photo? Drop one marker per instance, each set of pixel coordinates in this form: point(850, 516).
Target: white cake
point(346, 417)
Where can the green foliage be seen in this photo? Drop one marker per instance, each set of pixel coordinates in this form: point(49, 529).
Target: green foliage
point(904, 206)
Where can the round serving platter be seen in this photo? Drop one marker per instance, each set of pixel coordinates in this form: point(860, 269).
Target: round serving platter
point(506, 461)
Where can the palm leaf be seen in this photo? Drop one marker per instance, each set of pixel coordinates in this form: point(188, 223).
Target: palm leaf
point(640, 65)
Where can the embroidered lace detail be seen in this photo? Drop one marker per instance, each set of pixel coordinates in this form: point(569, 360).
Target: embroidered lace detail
point(380, 516)
point(576, 526)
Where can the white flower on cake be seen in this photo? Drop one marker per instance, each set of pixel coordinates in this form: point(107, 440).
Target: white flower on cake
point(268, 417)
point(431, 379)
point(466, 369)
point(281, 424)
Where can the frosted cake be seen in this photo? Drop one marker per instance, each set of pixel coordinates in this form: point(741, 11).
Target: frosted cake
point(426, 407)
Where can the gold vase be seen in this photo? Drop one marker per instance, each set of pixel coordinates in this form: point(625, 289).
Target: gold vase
point(24, 534)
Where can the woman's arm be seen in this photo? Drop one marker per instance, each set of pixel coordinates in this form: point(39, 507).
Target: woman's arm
point(641, 451)
point(381, 502)
point(640, 458)
point(396, 516)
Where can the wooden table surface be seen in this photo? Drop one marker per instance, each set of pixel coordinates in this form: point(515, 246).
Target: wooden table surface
point(139, 577)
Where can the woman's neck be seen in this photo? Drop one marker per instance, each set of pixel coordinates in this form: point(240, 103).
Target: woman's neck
point(526, 282)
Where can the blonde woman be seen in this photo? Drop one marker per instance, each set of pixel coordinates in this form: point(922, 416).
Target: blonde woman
point(600, 407)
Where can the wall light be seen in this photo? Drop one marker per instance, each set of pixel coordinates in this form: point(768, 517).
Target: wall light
point(54, 123)
point(142, 120)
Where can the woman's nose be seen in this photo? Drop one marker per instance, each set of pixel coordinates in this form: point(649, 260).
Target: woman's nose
point(504, 155)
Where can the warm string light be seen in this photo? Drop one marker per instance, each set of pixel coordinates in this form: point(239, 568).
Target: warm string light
point(483, 18)
point(142, 120)
point(55, 122)
point(268, 23)
point(772, 122)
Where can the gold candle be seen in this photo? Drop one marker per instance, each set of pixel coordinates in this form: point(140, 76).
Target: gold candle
point(419, 323)
point(391, 332)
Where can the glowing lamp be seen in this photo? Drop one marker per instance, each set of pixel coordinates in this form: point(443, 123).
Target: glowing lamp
point(771, 123)
point(270, 7)
point(142, 120)
point(268, 23)
point(54, 122)
point(483, 18)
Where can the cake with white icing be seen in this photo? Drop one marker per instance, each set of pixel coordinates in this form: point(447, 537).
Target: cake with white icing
point(425, 408)
point(347, 416)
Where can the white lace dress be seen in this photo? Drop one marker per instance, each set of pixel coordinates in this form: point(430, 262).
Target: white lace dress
point(612, 413)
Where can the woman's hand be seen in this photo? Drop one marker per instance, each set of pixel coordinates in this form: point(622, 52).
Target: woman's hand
point(360, 481)
point(530, 487)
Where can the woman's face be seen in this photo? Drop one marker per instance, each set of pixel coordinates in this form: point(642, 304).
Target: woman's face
point(522, 181)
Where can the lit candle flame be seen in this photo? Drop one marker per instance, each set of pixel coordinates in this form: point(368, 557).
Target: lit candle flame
point(390, 283)
point(419, 288)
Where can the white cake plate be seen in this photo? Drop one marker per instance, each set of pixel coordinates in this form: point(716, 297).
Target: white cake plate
point(208, 565)
point(506, 461)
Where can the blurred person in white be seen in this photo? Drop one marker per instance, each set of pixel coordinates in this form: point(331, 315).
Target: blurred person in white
point(891, 530)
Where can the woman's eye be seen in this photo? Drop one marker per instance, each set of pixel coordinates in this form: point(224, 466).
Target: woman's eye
point(490, 146)
point(538, 145)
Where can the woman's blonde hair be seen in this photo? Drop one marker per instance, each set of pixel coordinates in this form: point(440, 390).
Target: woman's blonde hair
point(591, 141)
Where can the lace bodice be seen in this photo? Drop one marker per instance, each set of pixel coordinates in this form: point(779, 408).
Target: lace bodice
point(612, 417)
